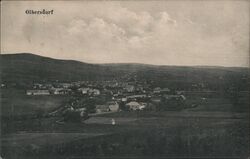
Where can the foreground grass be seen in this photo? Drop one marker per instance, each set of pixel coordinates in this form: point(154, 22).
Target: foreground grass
point(136, 136)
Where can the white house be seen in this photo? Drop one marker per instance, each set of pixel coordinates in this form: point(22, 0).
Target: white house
point(113, 106)
point(83, 90)
point(133, 105)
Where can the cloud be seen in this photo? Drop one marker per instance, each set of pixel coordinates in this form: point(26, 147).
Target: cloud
point(114, 32)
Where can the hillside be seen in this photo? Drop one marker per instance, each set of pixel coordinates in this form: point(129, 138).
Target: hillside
point(27, 68)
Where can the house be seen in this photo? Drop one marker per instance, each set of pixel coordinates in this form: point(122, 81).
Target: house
point(56, 90)
point(124, 99)
point(102, 108)
point(83, 90)
point(37, 92)
point(165, 90)
point(157, 90)
point(130, 88)
point(89, 91)
point(142, 106)
point(135, 106)
point(94, 92)
point(113, 106)
point(81, 109)
point(37, 86)
point(66, 85)
point(60, 91)
point(137, 96)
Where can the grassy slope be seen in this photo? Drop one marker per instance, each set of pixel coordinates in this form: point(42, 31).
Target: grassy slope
point(21, 68)
point(147, 136)
point(29, 67)
point(16, 102)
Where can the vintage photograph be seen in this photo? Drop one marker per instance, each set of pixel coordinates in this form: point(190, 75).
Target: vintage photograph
point(136, 79)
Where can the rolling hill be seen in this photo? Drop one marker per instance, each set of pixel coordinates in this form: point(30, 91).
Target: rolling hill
point(25, 67)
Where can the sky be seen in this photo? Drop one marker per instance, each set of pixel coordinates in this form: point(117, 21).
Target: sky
point(188, 32)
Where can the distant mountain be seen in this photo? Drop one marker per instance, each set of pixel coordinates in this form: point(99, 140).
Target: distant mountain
point(30, 67)
point(25, 67)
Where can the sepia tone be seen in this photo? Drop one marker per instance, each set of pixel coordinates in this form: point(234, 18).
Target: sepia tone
point(125, 79)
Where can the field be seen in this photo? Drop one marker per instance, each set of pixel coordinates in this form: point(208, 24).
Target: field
point(171, 134)
point(211, 129)
point(14, 102)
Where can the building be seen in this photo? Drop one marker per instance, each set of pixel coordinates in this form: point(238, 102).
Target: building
point(83, 90)
point(102, 108)
point(165, 90)
point(81, 109)
point(157, 90)
point(133, 105)
point(66, 85)
point(89, 91)
point(113, 106)
point(60, 91)
point(124, 99)
point(130, 88)
point(37, 92)
point(94, 91)
point(139, 96)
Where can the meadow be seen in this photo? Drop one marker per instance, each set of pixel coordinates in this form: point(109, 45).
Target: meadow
point(15, 102)
point(211, 129)
point(171, 134)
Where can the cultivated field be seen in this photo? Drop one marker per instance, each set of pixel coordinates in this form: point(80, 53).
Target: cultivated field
point(171, 134)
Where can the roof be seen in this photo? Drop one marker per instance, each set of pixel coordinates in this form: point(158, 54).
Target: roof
point(133, 103)
point(112, 103)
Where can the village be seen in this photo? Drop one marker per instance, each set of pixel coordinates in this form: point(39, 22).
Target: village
point(111, 96)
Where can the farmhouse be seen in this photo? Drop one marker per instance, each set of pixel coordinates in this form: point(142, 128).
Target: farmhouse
point(113, 106)
point(135, 106)
point(37, 92)
point(83, 90)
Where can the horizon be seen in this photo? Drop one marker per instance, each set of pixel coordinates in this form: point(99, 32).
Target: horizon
point(131, 63)
point(173, 33)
